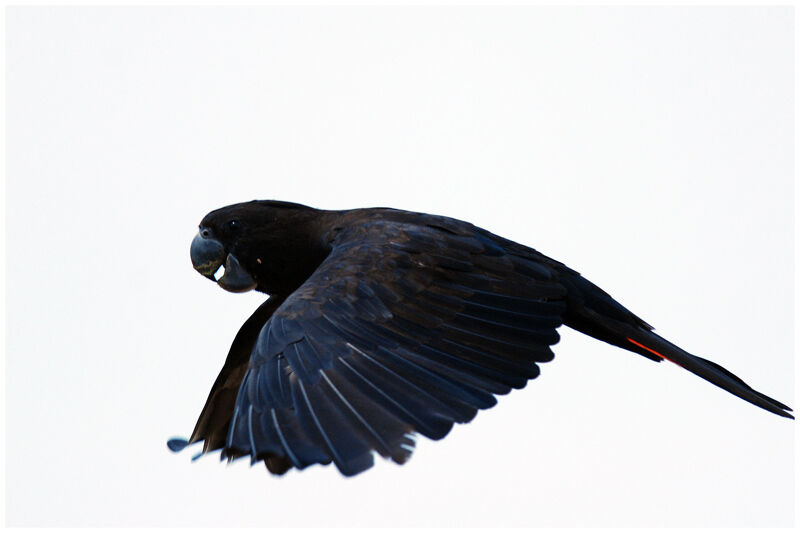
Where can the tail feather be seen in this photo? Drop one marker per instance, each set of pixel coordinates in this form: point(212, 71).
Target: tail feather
point(709, 371)
point(594, 312)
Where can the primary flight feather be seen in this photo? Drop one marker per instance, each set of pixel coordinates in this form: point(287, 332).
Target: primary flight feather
point(382, 323)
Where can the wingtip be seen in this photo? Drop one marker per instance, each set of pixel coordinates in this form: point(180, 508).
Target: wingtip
point(176, 444)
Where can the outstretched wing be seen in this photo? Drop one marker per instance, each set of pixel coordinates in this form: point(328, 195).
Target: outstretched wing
point(403, 329)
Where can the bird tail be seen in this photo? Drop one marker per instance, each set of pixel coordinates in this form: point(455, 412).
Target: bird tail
point(708, 370)
point(592, 311)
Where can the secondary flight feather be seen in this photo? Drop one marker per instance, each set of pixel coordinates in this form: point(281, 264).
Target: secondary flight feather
point(382, 324)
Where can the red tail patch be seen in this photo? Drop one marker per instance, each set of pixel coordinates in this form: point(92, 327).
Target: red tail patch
point(651, 351)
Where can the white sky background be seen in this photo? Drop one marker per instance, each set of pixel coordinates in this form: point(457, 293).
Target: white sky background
point(648, 148)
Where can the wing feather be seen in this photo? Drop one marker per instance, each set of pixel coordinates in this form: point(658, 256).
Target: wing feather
point(403, 329)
